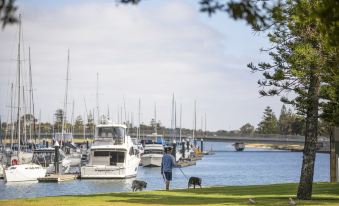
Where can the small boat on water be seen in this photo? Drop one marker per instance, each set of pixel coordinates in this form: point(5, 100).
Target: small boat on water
point(153, 150)
point(239, 146)
point(112, 154)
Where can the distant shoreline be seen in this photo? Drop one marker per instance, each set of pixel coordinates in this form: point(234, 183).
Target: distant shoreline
point(290, 147)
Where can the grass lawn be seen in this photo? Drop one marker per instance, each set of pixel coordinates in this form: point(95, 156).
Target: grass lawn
point(323, 194)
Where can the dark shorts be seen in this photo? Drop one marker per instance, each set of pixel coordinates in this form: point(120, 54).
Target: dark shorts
point(168, 176)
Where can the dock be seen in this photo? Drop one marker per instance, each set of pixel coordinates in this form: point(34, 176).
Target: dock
point(58, 178)
point(195, 158)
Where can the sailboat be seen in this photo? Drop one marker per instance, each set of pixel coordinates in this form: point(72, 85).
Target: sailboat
point(20, 171)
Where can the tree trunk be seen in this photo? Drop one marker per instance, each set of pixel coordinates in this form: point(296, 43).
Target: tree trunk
point(333, 157)
point(311, 138)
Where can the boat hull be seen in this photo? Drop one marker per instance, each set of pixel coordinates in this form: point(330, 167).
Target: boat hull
point(108, 172)
point(24, 172)
point(151, 160)
point(1, 171)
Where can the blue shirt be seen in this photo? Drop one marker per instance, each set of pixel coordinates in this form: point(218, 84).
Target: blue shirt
point(167, 164)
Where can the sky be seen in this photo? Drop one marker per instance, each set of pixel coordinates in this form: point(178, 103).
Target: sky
point(147, 52)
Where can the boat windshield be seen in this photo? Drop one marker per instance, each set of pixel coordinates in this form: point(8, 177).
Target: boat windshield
point(115, 133)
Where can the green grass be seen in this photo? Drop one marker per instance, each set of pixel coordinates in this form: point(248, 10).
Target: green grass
point(323, 194)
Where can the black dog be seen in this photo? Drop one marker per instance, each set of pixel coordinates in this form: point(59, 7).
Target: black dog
point(194, 181)
point(138, 185)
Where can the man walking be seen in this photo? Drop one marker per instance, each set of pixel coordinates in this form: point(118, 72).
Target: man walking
point(167, 164)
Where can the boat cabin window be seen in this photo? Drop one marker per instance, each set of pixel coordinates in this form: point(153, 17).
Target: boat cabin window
point(116, 157)
point(115, 133)
point(108, 157)
point(101, 153)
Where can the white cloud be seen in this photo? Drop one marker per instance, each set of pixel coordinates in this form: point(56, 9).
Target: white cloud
point(138, 52)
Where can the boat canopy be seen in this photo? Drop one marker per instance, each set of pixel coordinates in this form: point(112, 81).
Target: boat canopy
point(117, 134)
point(153, 139)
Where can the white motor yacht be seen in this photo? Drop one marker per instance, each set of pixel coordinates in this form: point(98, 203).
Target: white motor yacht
point(153, 150)
point(112, 154)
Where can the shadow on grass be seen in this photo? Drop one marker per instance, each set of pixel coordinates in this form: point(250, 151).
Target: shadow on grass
point(205, 197)
point(324, 194)
point(205, 200)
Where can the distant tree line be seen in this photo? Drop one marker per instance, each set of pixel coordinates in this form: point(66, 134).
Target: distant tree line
point(288, 123)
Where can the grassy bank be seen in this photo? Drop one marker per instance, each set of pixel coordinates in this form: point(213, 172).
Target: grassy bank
point(323, 194)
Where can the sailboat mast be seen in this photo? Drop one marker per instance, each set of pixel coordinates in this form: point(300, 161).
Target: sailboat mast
point(97, 95)
point(31, 99)
point(72, 119)
point(175, 120)
point(86, 116)
point(66, 98)
point(121, 115)
point(205, 126)
point(30, 94)
point(39, 125)
point(25, 112)
point(118, 114)
point(172, 118)
point(125, 112)
point(180, 122)
point(194, 119)
point(12, 123)
point(84, 126)
point(139, 119)
point(19, 86)
point(108, 116)
point(155, 118)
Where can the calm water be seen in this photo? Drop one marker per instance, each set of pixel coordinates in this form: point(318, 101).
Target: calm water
point(251, 167)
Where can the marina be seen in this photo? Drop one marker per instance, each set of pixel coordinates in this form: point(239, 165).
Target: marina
point(100, 101)
point(250, 167)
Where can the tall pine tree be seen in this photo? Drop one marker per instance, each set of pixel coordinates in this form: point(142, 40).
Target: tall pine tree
point(302, 60)
point(269, 122)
